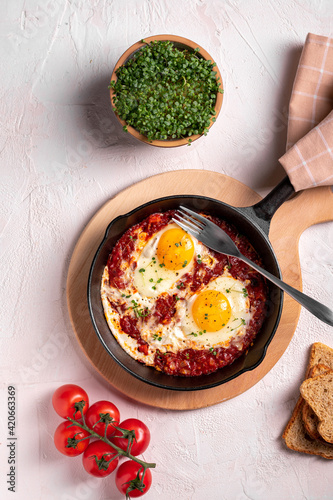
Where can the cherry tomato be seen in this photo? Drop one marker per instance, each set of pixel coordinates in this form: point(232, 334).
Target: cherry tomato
point(64, 399)
point(66, 434)
point(102, 410)
point(142, 436)
point(95, 459)
point(127, 479)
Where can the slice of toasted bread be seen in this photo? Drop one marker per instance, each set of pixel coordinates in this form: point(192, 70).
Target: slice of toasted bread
point(295, 435)
point(320, 354)
point(297, 439)
point(318, 393)
point(310, 419)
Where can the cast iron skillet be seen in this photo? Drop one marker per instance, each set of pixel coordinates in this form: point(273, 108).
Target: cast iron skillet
point(251, 221)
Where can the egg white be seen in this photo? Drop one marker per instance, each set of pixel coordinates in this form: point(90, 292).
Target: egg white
point(151, 277)
point(235, 291)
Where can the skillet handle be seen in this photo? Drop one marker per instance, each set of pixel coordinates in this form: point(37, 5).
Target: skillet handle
point(266, 208)
point(262, 212)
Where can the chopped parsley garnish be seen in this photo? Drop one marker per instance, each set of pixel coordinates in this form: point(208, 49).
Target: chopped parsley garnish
point(199, 333)
point(159, 280)
point(139, 313)
point(243, 291)
point(242, 322)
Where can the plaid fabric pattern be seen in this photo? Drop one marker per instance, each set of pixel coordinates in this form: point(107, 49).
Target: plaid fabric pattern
point(309, 158)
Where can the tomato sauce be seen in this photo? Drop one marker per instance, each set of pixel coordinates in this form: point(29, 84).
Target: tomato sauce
point(129, 325)
point(165, 308)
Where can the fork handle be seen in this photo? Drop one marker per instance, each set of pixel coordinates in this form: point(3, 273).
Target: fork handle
point(316, 308)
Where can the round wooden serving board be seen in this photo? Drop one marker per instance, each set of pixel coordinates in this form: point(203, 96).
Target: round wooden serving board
point(290, 220)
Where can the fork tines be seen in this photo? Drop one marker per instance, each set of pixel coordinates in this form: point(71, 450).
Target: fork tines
point(189, 221)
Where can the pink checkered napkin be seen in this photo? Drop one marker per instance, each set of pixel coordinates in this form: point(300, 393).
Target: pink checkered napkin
point(309, 158)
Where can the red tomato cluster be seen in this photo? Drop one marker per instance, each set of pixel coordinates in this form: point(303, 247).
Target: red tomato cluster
point(98, 457)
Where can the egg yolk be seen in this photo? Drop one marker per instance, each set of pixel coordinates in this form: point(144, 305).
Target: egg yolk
point(175, 249)
point(211, 310)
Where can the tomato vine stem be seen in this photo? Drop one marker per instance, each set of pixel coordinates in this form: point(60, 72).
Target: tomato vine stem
point(83, 425)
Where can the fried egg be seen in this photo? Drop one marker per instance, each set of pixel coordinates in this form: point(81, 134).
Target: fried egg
point(218, 312)
point(165, 258)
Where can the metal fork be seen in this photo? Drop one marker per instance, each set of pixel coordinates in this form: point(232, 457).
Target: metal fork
point(215, 238)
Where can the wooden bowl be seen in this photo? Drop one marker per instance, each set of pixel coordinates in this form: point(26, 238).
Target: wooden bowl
point(179, 42)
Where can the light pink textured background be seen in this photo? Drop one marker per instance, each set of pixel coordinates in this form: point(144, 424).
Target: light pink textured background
point(63, 155)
